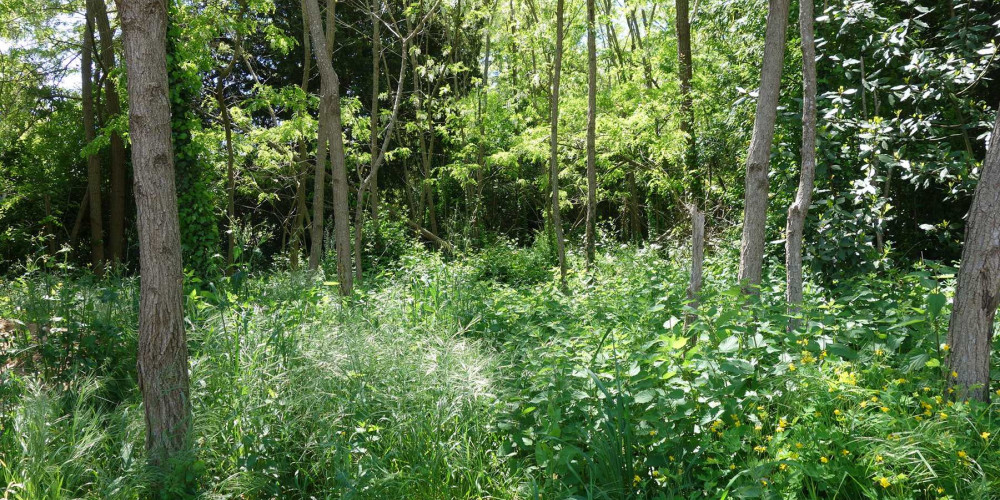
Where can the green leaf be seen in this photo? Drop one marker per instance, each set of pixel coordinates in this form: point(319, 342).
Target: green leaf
point(935, 302)
point(730, 344)
point(645, 396)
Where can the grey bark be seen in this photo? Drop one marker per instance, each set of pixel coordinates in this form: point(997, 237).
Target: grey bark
point(591, 235)
point(759, 155)
point(331, 131)
point(554, 144)
point(162, 357)
point(697, 259)
point(803, 197)
point(977, 293)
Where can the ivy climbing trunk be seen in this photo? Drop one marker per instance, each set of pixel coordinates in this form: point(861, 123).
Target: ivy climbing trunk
point(554, 144)
point(759, 155)
point(90, 133)
point(977, 292)
point(803, 197)
point(162, 358)
point(591, 230)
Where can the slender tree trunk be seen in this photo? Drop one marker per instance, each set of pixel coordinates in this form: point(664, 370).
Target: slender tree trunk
point(591, 231)
point(697, 259)
point(116, 221)
point(685, 60)
point(759, 156)
point(227, 125)
point(93, 161)
point(800, 207)
point(162, 359)
point(977, 293)
point(298, 233)
point(330, 90)
point(325, 109)
point(554, 145)
point(379, 152)
point(50, 236)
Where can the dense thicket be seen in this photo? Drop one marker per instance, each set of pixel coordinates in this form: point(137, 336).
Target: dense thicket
point(906, 99)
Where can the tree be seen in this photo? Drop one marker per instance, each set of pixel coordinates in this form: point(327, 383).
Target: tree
point(554, 144)
point(800, 207)
point(330, 131)
point(977, 292)
point(112, 105)
point(369, 182)
point(590, 235)
point(162, 358)
point(759, 156)
point(90, 133)
point(687, 127)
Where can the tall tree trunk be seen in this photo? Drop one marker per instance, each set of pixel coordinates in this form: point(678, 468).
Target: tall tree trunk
point(93, 161)
point(162, 359)
point(334, 133)
point(591, 231)
point(554, 144)
point(116, 221)
point(759, 156)
point(800, 207)
point(227, 125)
point(977, 293)
point(322, 49)
point(685, 60)
point(302, 164)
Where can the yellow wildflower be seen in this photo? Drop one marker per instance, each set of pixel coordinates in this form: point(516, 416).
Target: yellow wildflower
point(884, 481)
point(985, 435)
point(824, 460)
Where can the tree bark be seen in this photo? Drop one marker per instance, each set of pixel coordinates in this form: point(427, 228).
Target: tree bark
point(334, 133)
point(93, 161)
point(697, 259)
point(591, 231)
point(162, 357)
point(977, 293)
point(116, 221)
point(759, 155)
point(686, 63)
point(302, 163)
point(227, 124)
point(554, 144)
point(800, 207)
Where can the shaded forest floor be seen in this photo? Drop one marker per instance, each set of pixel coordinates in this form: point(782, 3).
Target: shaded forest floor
point(476, 377)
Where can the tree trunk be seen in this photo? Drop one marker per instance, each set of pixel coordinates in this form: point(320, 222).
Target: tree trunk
point(686, 63)
point(93, 161)
point(162, 359)
point(591, 234)
point(697, 259)
point(759, 156)
point(319, 186)
point(554, 145)
point(970, 332)
point(800, 207)
point(334, 133)
point(116, 221)
point(302, 163)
